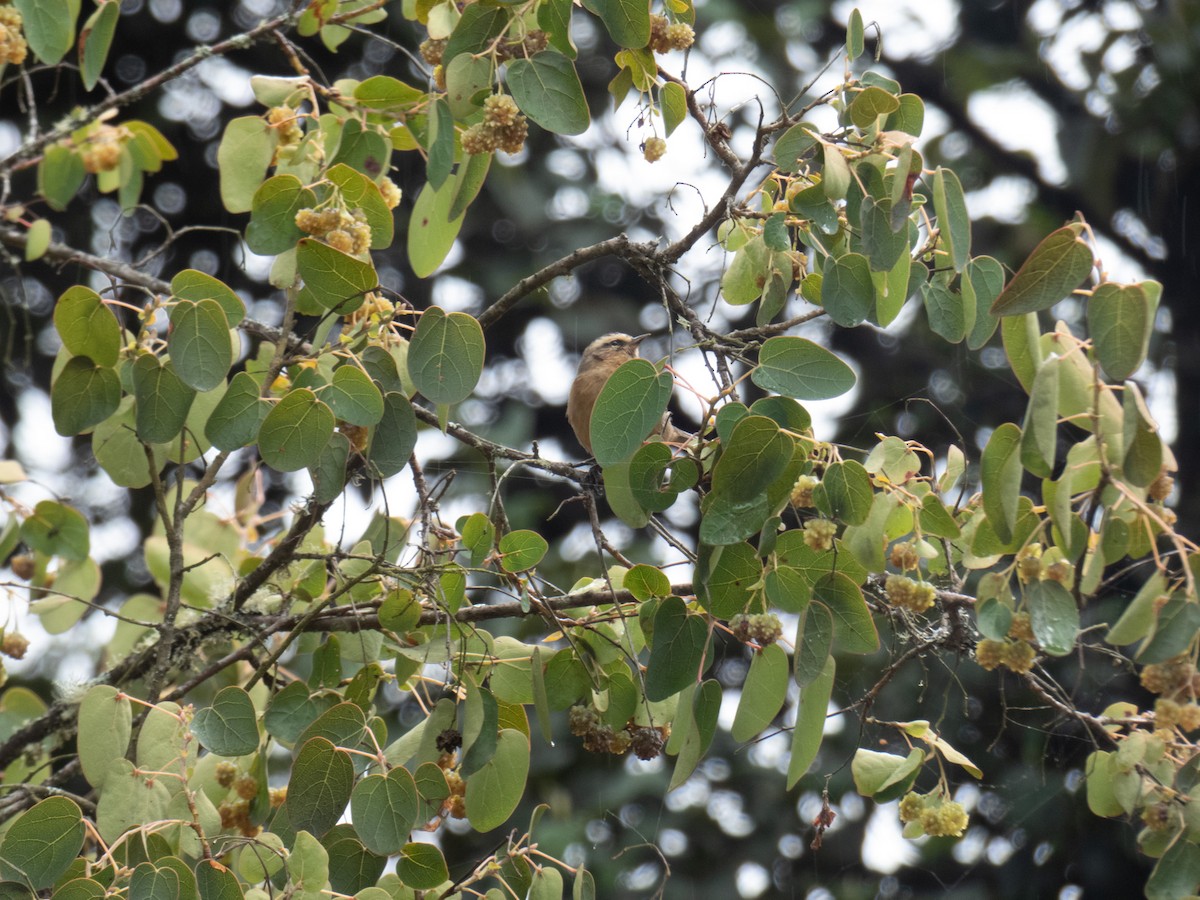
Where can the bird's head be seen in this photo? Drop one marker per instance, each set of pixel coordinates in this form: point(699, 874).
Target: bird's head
point(610, 350)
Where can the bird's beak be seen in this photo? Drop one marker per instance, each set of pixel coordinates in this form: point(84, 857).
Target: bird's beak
point(641, 337)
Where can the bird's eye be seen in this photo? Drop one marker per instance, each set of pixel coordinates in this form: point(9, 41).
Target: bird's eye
point(616, 344)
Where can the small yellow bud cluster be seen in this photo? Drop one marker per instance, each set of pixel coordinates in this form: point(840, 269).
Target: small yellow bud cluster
point(226, 774)
point(12, 42)
point(1161, 487)
point(904, 556)
point(389, 192)
point(1157, 816)
point(102, 150)
point(654, 149)
point(802, 491)
point(819, 534)
point(939, 816)
point(1029, 563)
point(761, 628)
point(1169, 714)
point(278, 796)
point(286, 123)
point(665, 36)
point(1017, 656)
point(456, 804)
point(646, 741)
point(342, 230)
point(1060, 570)
point(235, 814)
point(503, 127)
point(431, 50)
point(14, 644)
point(904, 592)
point(1021, 628)
point(533, 42)
point(246, 787)
point(1173, 677)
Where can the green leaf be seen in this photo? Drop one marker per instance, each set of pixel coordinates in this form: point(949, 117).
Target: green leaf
point(853, 627)
point(1119, 321)
point(215, 882)
point(352, 867)
point(37, 239)
point(395, 437)
point(432, 230)
point(295, 431)
point(1055, 268)
point(272, 227)
point(847, 293)
point(726, 576)
point(797, 367)
point(884, 245)
point(238, 417)
point(835, 178)
point(627, 21)
point(673, 99)
point(440, 141)
point(763, 693)
point(495, 790)
point(243, 157)
point(678, 653)
point(445, 356)
point(475, 31)
point(870, 104)
point(421, 866)
point(520, 551)
point(333, 280)
point(1000, 473)
point(1176, 874)
point(386, 92)
point(353, 396)
point(547, 89)
point(363, 149)
point(704, 705)
point(844, 492)
point(885, 776)
point(230, 726)
point(628, 408)
point(105, 726)
point(854, 35)
point(95, 40)
point(756, 453)
point(648, 480)
point(814, 642)
point(384, 809)
point(909, 118)
point(199, 343)
point(49, 27)
point(87, 326)
point(40, 845)
point(1174, 631)
point(329, 471)
point(163, 400)
point(56, 529)
point(554, 18)
point(362, 193)
point(1039, 434)
point(191, 284)
point(810, 722)
point(83, 395)
point(320, 786)
point(985, 277)
point(1055, 617)
point(730, 517)
point(954, 223)
point(1021, 344)
point(946, 310)
point(60, 174)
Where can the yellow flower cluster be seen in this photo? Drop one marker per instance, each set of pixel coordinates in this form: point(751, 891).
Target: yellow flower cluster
point(503, 127)
point(12, 41)
point(340, 229)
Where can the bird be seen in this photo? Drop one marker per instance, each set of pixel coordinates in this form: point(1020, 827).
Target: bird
point(600, 359)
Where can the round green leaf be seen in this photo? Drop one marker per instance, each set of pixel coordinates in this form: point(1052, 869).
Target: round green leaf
point(445, 356)
point(42, 842)
point(56, 529)
point(384, 809)
point(1000, 473)
point(680, 641)
point(199, 343)
point(236, 420)
point(95, 40)
point(320, 786)
point(547, 89)
point(495, 790)
point(954, 223)
point(521, 550)
point(1055, 617)
point(230, 726)
point(645, 582)
point(353, 397)
point(1055, 268)
point(853, 627)
point(243, 156)
point(87, 326)
point(725, 585)
point(433, 228)
point(1119, 321)
point(192, 284)
point(294, 433)
point(796, 367)
point(393, 439)
point(333, 280)
point(847, 291)
point(272, 228)
point(105, 725)
point(360, 192)
point(628, 408)
point(421, 866)
point(83, 395)
point(844, 492)
point(756, 454)
point(163, 400)
point(60, 175)
point(215, 882)
point(49, 27)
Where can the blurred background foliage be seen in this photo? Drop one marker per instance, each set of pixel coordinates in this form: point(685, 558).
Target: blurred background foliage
point(1043, 108)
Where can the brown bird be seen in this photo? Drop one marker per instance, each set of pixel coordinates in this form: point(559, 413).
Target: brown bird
point(600, 360)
